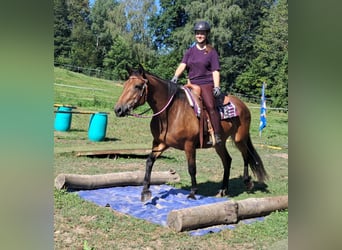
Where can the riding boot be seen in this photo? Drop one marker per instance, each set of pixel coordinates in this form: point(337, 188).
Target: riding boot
point(218, 138)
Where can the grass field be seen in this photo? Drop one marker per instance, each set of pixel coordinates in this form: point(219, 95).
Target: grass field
point(82, 225)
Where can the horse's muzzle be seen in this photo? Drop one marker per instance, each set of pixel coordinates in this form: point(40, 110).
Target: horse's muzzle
point(121, 110)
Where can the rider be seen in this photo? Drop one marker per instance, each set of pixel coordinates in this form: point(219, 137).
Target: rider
point(202, 64)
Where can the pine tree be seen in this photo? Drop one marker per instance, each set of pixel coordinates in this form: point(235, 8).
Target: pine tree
point(62, 32)
point(100, 16)
point(83, 48)
point(271, 62)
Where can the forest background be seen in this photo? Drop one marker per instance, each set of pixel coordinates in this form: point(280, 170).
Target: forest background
point(251, 36)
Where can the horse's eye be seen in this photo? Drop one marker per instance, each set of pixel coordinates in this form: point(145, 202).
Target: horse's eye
point(138, 87)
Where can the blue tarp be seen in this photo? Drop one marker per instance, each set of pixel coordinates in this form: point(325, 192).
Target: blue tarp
point(165, 198)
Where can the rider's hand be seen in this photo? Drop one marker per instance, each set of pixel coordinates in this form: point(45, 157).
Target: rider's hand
point(216, 91)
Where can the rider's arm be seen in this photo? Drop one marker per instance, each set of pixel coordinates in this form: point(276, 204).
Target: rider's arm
point(216, 78)
point(180, 69)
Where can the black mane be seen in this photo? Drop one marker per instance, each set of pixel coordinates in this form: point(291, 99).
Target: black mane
point(172, 87)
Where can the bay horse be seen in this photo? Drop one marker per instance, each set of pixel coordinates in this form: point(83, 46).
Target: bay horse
point(175, 124)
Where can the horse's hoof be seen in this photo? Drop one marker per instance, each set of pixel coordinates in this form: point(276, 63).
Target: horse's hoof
point(192, 196)
point(146, 195)
point(249, 186)
point(222, 193)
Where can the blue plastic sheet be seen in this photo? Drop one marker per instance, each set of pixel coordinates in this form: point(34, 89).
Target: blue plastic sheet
point(165, 198)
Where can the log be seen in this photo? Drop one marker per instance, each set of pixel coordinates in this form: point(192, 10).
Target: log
point(64, 105)
point(256, 207)
point(227, 212)
point(202, 216)
point(113, 152)
point(76, 181)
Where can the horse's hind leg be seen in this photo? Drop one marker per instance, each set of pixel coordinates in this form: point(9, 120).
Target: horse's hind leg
point(156, 152)
point(226, 161)
point(247, 180)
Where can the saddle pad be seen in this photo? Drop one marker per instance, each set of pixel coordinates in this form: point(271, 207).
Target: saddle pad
point(227, 111)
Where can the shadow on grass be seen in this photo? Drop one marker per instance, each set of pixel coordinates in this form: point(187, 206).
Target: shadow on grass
point(111, 139)
point(77, 130)
point(86, 130)
point(236, 187)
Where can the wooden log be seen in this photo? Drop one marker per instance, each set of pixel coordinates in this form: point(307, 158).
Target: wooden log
point(256, 207)
point(202, 216)
point(135, 178)
point(113, 152)
point(227, 212)
point(64, 105)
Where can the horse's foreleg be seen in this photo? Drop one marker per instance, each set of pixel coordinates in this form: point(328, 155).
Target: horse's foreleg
point(226, 161)
point(146, 193)
point(156, 152)
point(191, 158)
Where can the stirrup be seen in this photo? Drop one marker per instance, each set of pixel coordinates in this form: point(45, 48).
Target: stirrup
point(216, 139)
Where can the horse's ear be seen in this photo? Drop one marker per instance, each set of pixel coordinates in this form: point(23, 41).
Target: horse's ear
point(141, 69)
point(129, 69)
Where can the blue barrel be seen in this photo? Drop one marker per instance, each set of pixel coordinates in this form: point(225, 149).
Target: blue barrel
point(63, 119)
point(97, 126)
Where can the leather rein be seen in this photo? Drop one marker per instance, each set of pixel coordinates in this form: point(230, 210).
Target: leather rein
point(144, 93)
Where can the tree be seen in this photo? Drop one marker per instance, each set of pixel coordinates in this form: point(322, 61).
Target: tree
point(83, 46)
point(172, 15)
point(271, 62)
point(62, 32)
point(100, 16)
point(83, 41)
point(138, 13)
point(118, 57)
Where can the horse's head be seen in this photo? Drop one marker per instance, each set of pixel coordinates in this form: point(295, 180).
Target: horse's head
point(134, 92)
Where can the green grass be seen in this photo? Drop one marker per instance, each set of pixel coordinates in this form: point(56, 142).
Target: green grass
point(82, 225)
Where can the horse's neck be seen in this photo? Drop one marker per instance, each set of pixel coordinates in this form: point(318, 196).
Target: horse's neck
point(158, 93)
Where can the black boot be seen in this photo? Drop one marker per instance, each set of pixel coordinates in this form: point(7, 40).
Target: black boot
point(218, 138)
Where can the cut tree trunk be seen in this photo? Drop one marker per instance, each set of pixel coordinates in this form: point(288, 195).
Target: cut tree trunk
point(135, 178)
point(227, 212)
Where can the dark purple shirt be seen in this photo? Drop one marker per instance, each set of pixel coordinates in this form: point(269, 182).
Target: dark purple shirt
point(200, 65)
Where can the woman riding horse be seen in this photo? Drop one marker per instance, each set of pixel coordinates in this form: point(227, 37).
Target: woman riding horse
point(175, 124)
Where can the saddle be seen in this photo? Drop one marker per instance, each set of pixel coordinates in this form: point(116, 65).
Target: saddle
point(225, 108)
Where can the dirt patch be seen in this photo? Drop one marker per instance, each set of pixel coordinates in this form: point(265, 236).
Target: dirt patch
point(282, 155)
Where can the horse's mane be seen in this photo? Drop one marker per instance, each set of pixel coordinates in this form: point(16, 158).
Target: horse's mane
point(172, 87)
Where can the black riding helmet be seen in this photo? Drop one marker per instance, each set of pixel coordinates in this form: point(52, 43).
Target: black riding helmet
point(202, 25)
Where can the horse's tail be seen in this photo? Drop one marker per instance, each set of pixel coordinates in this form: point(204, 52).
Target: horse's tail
point(255, 162)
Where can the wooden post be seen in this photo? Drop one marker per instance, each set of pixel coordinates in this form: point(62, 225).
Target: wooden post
point(227, 212)
point(75, 181)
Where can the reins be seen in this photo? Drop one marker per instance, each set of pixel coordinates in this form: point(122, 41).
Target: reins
point(155, 114)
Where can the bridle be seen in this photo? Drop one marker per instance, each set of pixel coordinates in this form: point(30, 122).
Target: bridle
point(144, 91)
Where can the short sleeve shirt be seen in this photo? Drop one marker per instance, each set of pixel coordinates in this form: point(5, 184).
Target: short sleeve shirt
point(201, 64)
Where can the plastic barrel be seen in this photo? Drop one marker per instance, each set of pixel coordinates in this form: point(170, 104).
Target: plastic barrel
point(63, 120)
point(97, 126)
